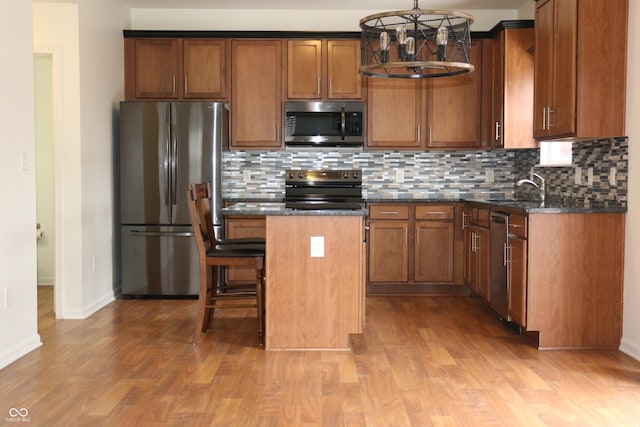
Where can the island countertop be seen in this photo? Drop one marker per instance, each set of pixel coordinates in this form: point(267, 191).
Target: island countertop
point(279, 209)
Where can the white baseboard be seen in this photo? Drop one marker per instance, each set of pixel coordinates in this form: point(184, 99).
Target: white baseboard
point(15, 352)
point(88, 310)
point(631, 348)
point(45, 281)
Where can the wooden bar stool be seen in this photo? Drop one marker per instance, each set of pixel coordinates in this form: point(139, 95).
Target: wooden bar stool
point(212, 256)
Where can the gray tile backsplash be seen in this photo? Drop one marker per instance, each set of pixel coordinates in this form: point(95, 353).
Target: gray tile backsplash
point(435, 174)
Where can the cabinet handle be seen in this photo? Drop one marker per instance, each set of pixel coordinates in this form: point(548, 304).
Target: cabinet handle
point(390, 213)
point(430, 134)
point(474, 246)
point(464, 220)
point(318, 85)
point(405, 237)
point(417, 237)
point(173, 82)
point(330, 85)
point(544, 118)
point(497, 131)
point(515, 225)
point(186, 87)
point(549, 111)
point(436, 213)
point(418, 132)
point(506, 255)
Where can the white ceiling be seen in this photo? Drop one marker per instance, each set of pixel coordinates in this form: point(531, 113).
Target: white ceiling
point(382, 5)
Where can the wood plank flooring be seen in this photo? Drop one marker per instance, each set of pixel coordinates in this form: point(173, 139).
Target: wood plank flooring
point(422, 361)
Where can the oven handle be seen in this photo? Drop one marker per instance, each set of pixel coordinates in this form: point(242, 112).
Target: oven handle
point(343, 117)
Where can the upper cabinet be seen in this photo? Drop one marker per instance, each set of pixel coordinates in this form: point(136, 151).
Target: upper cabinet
point(512, 97)
point(256, 93)
point(171, 68)
point(432, 113)
point(580, 68)
point(323, 69)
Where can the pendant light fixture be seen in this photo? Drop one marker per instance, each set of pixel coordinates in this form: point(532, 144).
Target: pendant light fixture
point(416, 43)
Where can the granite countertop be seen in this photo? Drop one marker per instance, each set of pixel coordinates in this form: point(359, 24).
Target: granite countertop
point(257, 206)
point(278, 209)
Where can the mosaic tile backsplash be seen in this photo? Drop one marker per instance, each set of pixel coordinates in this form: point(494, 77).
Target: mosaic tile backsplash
point(487, 174)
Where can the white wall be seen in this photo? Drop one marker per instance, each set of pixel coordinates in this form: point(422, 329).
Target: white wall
point(18, 315)
point(101, 90)
point(631, 325)
point(277, 20)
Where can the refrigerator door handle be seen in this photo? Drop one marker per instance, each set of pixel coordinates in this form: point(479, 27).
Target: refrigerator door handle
point(167, 170)
point(161, 233)
point(174, 164)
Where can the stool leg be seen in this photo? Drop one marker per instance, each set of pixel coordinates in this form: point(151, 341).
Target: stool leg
point(203, 300)
point(260, 304)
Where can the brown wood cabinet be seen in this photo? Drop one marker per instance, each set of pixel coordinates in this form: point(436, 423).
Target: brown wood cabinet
point(512, 106)
point(476, 240)
point(517, 270)
point(314, 302)
point(412, 245)
point(412, 114)
point(172, 68)
point(256, 96)
point(323, 69)
point(580, 68)
point(238, 227)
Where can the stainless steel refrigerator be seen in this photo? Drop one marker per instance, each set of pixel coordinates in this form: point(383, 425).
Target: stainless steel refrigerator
point(165, 146)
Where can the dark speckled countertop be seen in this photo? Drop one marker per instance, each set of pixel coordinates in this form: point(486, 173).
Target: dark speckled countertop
point(265, 206)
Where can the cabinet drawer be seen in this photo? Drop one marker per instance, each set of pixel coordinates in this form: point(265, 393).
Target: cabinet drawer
point(518, 225)
point(433, 212)
point(386, 211)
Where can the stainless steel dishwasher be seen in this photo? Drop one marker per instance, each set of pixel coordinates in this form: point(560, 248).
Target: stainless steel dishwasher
point(499, 294)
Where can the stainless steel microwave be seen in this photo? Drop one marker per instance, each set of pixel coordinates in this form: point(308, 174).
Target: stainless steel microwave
point(324, 124)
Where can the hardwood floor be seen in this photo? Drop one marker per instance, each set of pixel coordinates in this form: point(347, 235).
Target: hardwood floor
point(422, 361)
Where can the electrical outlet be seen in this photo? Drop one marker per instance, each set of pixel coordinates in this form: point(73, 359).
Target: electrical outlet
point(317, 246)
point(577, 176)
point(613, 176)
point(489, 176)
point(399, 176)
point(590, 176)
point(246, 175)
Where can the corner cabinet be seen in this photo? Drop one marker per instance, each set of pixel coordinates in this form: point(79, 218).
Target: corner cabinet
point(441, 113)
point(323, 69)
point(512, 106)
point(178, 69)
point(256, 94)
point(580, 68)
point(475, 224)
point(414, 248)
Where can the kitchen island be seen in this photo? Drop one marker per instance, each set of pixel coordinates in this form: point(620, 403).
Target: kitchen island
point(315, 275)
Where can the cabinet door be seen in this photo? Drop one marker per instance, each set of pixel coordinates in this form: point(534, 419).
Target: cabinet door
point(238, 228)
point(454, 107)
point(497, 106)
point(156, 68)
point(555, 68)
point(388, 251)
point(256, 98)
point(343, 61)
point(205, 69)
point(433, 251)
point(304, 69)
point(517, 271)
point(394, 111)
point(483, 262)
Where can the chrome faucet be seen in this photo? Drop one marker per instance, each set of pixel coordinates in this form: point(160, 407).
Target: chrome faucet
point(540, 187)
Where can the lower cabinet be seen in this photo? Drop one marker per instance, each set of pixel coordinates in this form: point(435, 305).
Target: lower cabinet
point(412, 244)
point(238, 228)
point(476, 242)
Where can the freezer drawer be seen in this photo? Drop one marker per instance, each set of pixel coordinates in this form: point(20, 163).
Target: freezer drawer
point(159, 261)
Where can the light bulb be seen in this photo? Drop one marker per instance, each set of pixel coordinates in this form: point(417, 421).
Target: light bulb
point(441, 41)
point(411, 49)
point(401, 36)
point(384, 47)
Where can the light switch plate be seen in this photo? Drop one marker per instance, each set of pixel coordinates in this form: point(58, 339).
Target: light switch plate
point(317, 246)
point(590, 176)
point(489, 176)
point(613, 176)
point(578, 176)
point(399, 176)
point(246, 175)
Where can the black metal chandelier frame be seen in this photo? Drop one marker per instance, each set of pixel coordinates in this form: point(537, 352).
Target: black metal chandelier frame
point(416, 44)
